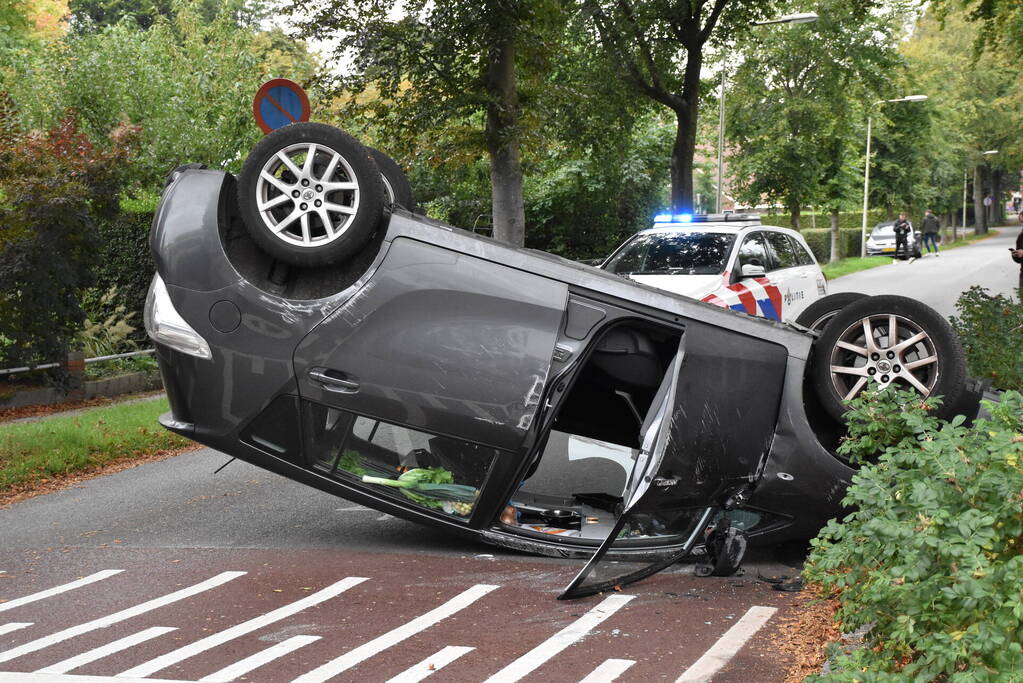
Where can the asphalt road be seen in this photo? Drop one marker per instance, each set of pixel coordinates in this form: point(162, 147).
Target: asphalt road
point(245, 575)
point(939, 280)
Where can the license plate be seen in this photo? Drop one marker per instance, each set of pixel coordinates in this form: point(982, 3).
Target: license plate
point(887, 249)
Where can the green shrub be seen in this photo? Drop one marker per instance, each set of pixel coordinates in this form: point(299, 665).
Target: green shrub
point(107, 328)
point(57, 184)
point(989, 328)
point(820, 242)
point(124, 261)
point(930, 560)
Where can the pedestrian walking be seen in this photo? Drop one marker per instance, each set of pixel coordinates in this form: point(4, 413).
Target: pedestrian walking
point(931, 229)
point(902, 228)
point(1017, 256)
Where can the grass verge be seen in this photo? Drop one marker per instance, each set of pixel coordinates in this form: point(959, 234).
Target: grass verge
point(35, 452)
point(855, 264)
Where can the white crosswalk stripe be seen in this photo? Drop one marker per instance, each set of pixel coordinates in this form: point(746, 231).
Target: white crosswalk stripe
point(57, 590)
point(395, 636)
point(609, 671)
point(103, 622)
point(14, 626)
point(431, 664)
point(532, 660)
point(183, 653)
point(240, 668)
point(714, 659)
point(106, 650)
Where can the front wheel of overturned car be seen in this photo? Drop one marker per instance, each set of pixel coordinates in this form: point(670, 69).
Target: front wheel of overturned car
point(888, 340)
point(820, 312)
point(310, 194)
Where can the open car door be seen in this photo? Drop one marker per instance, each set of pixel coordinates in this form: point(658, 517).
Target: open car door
point(703, 445)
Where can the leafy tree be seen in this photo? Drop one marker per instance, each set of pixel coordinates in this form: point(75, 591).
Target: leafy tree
point(188, 83)
point(88, 15)
point(797, 111)
point(450, 68)
point(1000, 21)
point(56, 185)
point(658, 47)
point(977, 98)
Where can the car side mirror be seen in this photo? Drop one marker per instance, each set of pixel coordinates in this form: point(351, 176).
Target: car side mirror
point(753, 270)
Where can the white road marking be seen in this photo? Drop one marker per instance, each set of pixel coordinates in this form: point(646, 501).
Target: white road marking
point(106, 650)
point(106, 621)
point(609, 671)
point(532, 660)
point(431, 664)
point(14, 626)
point(11, 677)
point(244, 666)
point(182, 653)
point(395, 636)
point(714, 659)
point(57, 590)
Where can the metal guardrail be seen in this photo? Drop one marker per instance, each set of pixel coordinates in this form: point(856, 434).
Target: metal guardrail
point(97, 359)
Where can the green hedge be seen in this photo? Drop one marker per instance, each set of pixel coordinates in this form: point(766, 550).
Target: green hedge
point(846, 219)
point(124, 260)
point(820, 242)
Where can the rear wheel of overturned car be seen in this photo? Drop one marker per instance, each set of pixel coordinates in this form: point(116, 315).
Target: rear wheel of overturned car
point(310, 194)
point(884, 341)
point(397, 189)
point(820, 312)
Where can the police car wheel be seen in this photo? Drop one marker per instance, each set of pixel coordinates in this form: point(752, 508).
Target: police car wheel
point(310, 194)
point(883, 341)
point(820, 312)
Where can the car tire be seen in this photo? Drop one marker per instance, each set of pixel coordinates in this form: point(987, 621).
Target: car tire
point(397, 190)
point(844, 362)
point(817, 315)
point(287, 201)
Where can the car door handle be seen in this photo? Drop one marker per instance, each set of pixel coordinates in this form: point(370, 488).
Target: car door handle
point(333, 382)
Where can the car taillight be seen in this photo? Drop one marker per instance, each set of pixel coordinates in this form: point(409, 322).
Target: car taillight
point(166, 326)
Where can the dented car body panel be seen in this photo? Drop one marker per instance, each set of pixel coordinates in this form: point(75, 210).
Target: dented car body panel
point(522, 374)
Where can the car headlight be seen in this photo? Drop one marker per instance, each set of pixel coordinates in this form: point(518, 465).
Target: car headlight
point(166, 326)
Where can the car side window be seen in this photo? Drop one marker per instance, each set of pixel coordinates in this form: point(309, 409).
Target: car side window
point(802, 255)
point(785, 257)
point(753, 251)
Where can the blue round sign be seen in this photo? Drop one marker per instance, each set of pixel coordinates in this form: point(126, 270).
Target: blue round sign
point(278, 103)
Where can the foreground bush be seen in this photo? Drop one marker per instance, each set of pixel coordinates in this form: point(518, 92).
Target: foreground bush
point(930, 561)
point(990, 329)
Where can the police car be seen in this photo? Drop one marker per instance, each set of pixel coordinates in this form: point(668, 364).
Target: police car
point(729, 260)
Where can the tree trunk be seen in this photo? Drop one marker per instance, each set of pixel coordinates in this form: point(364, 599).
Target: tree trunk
point(687, 110)
point(979, 210)
point(836, 238)
point(502, 133)
point(997, 206)
point(795, 214)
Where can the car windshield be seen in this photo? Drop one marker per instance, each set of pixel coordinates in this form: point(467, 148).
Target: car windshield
point(688, 253)
point(883, 231)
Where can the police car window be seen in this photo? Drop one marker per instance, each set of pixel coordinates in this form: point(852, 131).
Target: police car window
point(784, 256)
point(802, 255)
point(688, 253)
point(754, 252)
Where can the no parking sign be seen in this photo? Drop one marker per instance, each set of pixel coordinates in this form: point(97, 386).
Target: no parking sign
point(279, 102)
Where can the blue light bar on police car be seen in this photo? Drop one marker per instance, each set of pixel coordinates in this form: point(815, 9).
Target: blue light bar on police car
point(678, 218)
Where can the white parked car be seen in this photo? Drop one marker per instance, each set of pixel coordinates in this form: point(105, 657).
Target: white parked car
point(882, 242)
point(730, 260)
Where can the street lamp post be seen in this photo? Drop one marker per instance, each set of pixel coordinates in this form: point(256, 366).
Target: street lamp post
point(866, 166)
point(798, 18)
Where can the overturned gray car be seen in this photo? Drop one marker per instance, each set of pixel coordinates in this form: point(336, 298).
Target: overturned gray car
point(307, 321)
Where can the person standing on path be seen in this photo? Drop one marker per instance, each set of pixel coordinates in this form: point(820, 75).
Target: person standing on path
point(1017, 256)
point(902, 228)
point(930, 230)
